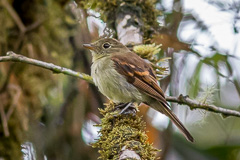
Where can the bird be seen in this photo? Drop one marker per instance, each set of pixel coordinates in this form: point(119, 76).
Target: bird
point(124, 77)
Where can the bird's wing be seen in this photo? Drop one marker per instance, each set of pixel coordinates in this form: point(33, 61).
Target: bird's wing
point(139, 73)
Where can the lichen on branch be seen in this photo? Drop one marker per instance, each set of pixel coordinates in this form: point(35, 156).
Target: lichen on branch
point(109, 10)
point(122, 130)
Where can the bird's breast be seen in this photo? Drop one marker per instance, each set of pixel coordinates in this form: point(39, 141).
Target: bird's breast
point(112, 84)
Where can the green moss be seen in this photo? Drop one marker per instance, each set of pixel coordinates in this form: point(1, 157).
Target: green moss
point(144, 10)
point(122, 130)
point(147, 51)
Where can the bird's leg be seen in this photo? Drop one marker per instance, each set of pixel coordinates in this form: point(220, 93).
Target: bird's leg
point(125, 108)
point(128, 108)
point(120, 105)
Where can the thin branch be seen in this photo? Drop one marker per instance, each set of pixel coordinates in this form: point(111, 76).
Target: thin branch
point(4, 121)
point(14, 15)
point(34, 25)
point(197, 105)
point(6, 81)
point(11, 56)
point(15, 96)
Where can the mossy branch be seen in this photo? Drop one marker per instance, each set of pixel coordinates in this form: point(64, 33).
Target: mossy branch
point(123, 135)
point(185, 100)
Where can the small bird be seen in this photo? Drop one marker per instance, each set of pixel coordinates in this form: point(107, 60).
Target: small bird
point(124, 77)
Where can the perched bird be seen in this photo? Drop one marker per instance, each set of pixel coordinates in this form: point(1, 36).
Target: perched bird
point(124, 77)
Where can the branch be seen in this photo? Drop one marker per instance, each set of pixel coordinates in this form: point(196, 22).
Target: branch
point(128, 154)
point(128, 33)
point(209, 107)
point(11, 56)
point(14, 15)
point(4, 121)
point(123, 136)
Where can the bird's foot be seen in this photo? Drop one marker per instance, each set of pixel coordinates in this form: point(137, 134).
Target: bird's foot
point(126, 108)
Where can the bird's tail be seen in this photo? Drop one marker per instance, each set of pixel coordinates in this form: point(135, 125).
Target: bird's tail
point(163, 108)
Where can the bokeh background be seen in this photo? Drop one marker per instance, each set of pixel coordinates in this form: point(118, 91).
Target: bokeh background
point(51, 116)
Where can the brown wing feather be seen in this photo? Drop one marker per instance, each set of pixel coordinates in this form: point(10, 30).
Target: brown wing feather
point(139, 73)
point(148, 90)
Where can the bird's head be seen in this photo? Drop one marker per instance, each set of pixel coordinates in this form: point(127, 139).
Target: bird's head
point(105, 47)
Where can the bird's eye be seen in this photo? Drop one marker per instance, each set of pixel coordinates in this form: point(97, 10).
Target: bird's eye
point(106, 45)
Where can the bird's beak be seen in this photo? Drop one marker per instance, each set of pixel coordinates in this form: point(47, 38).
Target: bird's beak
point(88, 46)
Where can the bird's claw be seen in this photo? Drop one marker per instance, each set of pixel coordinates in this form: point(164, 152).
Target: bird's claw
point(126, 108)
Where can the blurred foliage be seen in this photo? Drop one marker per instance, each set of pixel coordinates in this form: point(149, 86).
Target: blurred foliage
point(169, 40)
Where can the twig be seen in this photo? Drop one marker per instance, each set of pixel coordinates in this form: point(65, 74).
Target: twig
point(17, 19)
point(15, 96)
point(23, 29)
point(4, 121)
point(34, 25)
point(14, 15)
point(209, 107)
point(6, 81)
point(11, 56)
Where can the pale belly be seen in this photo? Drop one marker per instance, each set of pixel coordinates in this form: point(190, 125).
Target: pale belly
point(112, 84)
